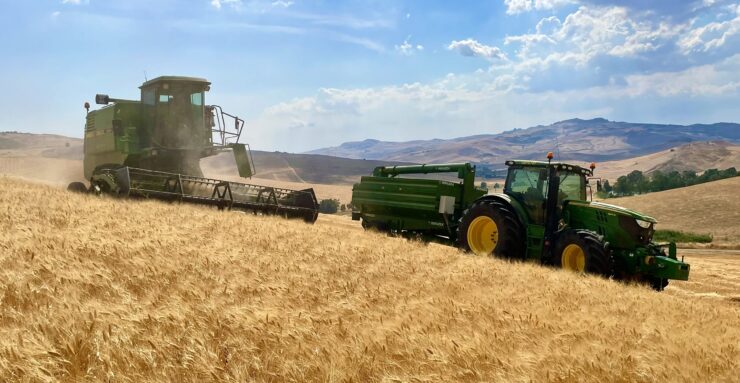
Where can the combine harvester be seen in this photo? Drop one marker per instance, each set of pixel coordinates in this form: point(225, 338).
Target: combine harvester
point(152, 149)
point(542, 215)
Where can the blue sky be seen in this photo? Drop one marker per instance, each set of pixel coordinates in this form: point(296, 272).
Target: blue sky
point(309, 74)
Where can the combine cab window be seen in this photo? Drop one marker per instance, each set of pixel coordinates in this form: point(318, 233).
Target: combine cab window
point(196, 99)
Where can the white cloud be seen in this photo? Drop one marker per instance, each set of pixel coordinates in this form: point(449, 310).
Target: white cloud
point(76, 2)
point(704, 80)
point(235, 4)
point(712, 35)
point(518, 6)
point(282, 4)
point(408, 49)
point(483, 102)
point(470, 47)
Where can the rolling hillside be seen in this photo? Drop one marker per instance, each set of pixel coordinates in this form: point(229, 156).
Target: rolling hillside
point(58, 159)
point(695, 156)
point(96, 289)
point(709, 208)
point(581, 140)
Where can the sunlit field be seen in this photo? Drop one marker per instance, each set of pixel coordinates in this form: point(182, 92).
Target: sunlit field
point(97, 289)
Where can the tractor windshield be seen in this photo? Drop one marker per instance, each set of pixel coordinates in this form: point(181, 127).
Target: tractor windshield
point(528, 185)
point(572, 187)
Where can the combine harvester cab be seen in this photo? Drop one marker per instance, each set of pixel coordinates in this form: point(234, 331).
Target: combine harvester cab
point(152, 149)
point(543, 215)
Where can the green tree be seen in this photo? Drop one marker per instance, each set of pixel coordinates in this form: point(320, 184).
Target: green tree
point(606, 187)
point(637, 182)
point(329, 206)
point(729, 172)
point(689, 178)
point(622, 187)
point(483, 185)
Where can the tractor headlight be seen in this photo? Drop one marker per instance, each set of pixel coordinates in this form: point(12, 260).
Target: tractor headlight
point(644, 224)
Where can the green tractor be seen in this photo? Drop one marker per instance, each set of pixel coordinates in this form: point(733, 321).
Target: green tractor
point(543, 215)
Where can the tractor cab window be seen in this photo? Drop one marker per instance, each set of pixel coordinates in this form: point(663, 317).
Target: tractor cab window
point(529, 187)
point(572, 187)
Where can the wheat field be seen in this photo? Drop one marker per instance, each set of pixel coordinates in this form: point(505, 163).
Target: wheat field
point(95, 289)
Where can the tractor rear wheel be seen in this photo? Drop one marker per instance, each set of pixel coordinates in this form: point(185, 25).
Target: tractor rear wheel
point(490, 227)
point(583, 251)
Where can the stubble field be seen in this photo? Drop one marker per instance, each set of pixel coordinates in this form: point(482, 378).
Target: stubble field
point(95, 289)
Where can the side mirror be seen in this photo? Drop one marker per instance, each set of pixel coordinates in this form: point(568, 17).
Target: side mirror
point(102, 99)
point(598, 186)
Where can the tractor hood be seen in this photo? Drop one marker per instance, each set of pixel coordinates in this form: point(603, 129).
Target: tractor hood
point(615, 209)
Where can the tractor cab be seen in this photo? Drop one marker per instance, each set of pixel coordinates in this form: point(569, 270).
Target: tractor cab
point(528, 183)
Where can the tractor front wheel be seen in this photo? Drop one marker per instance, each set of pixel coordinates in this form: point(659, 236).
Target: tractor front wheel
point(490, 227)
point(583, 251)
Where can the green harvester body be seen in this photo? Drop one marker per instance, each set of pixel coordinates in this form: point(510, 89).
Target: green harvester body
point(433, 209)
point(152, 147)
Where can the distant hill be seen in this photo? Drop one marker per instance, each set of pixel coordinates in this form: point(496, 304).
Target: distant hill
point(58, 159)
point(695, 156)
point(709, 208)
point(576, 140)
point(307, 168)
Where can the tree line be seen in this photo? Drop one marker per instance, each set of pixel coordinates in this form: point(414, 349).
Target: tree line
point(637, 182)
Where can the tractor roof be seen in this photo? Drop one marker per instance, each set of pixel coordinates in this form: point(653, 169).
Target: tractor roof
point(175, 79)
point(543, 164)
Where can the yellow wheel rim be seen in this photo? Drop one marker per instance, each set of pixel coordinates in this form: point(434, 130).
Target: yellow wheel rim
point(482, 235)
point(573, 258)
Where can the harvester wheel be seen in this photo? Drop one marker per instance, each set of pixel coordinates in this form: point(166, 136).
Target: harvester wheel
point(583, 251)
point(77, 187)
point(490, 227)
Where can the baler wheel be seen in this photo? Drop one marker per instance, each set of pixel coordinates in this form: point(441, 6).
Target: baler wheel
point(490, 227)
point(583, 251)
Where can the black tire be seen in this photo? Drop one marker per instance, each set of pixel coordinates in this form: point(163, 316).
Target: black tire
point(77, 187)
point(597, 257)
point(657, 284)
point(368, 225)
point(510, 243)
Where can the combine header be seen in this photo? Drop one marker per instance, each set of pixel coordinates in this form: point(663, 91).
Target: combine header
point(152, 149)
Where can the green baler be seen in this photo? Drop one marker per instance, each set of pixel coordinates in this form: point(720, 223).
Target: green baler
point(543, 215)
point(407, 205)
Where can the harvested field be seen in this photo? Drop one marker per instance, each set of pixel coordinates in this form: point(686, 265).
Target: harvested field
point(98, 289)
